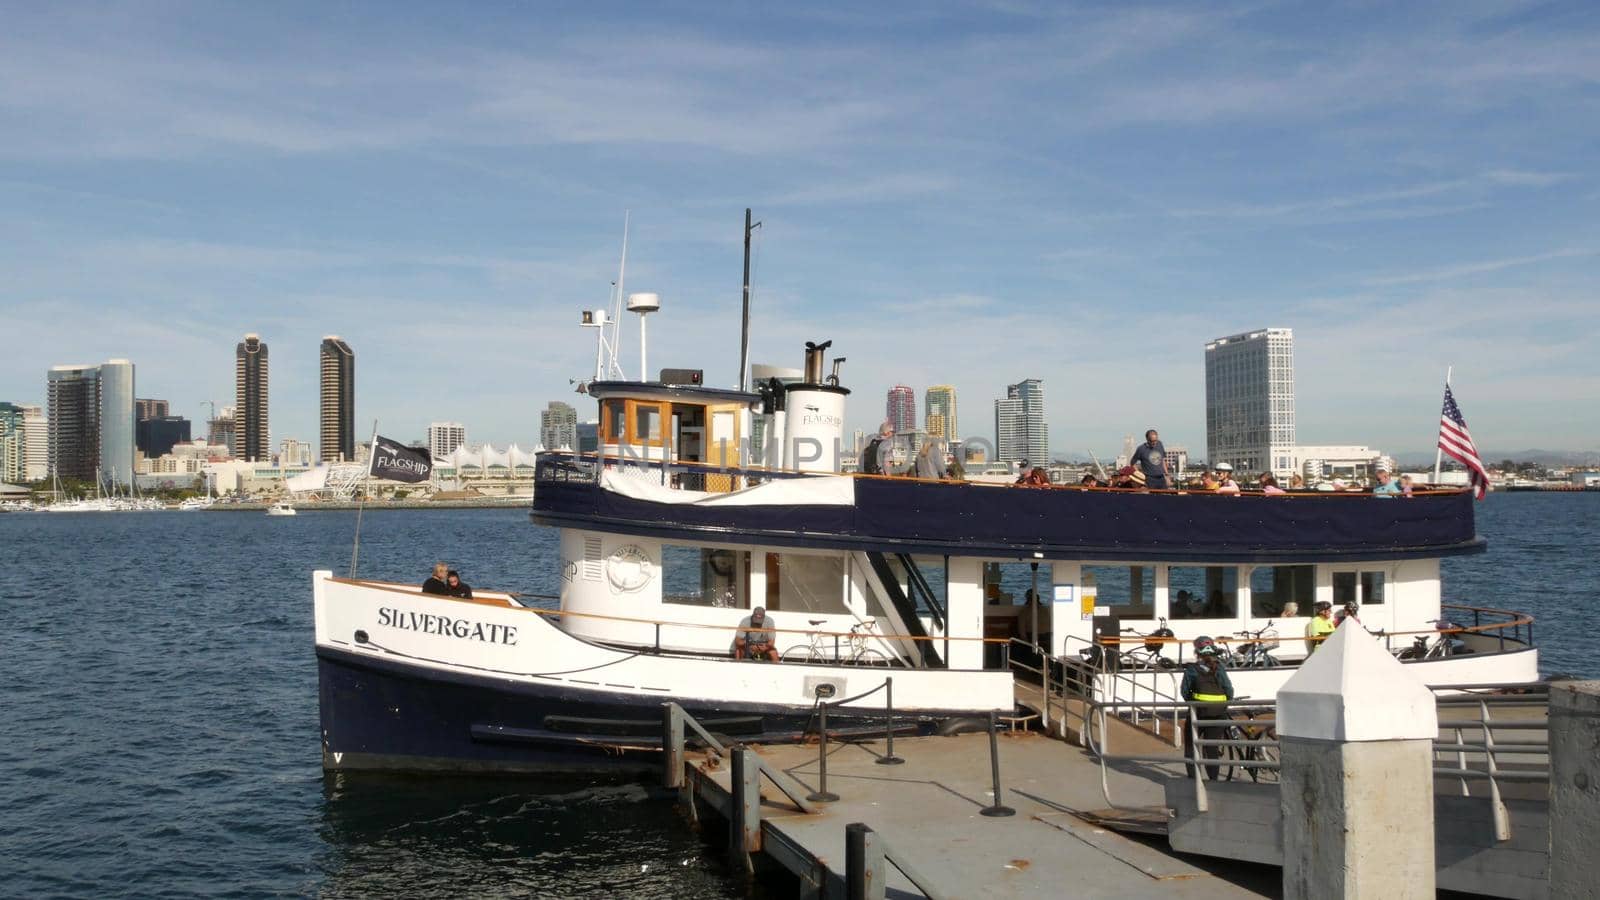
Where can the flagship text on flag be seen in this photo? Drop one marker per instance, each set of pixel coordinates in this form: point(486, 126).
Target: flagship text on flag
point(397, 462)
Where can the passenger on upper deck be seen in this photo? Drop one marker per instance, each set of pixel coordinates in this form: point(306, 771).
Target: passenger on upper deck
point(875, 456)
point(930, 460)
point(1386, 486)
point(1269, 484)
point(1225, 482)
point(1406, 485)
point(1036, 476)
point(436, 582)
point(1151, 460)
point(455, 587)
point(1297, 482)
point(756, 642)
point(1088, 480)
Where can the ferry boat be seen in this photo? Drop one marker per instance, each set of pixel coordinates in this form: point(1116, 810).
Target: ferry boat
point(672, 533)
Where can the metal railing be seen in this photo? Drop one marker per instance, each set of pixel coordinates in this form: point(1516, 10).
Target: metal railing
point(865, 873)
point(1473, 745)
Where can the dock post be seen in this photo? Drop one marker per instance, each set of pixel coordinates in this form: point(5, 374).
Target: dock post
point(744, 826)
point(1356, 732)
point(998, 810)
point(822, 794)
point(889, 759)
point(672, 745)
point(1574, 787)
point(863, 864)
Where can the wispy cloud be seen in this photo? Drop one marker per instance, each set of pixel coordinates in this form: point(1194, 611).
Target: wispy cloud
point(1480, 267)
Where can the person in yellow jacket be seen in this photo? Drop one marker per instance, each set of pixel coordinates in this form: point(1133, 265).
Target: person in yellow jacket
point(1320, 626)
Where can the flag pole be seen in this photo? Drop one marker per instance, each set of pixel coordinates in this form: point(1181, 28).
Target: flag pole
point(1438, 450)
point(372, 456)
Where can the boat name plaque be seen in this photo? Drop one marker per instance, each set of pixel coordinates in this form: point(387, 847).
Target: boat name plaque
point(444, 626)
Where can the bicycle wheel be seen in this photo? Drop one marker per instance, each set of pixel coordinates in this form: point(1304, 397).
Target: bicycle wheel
point(1235, 753)
point(870, 657)
point(1268, 754)
point(799, 653)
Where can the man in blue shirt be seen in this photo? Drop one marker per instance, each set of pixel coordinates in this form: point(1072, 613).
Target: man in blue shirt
point(1386, 486)
point(1151, 458)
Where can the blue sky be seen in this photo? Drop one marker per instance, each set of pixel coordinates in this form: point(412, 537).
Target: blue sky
point(971, 194)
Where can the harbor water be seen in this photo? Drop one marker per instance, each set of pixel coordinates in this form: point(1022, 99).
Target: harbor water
point(159, 720)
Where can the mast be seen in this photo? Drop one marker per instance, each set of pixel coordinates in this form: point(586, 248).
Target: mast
point(744, 318)
point(615, 368)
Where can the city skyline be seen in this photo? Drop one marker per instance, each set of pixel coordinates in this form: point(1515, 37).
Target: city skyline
point(941, 210)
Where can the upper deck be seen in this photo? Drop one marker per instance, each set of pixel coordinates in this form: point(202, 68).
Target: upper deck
point(907, 515)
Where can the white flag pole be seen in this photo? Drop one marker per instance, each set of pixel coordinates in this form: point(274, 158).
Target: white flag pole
point(372, 458)
point(1438, 449)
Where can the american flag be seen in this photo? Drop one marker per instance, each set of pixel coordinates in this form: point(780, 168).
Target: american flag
point(1456, 440)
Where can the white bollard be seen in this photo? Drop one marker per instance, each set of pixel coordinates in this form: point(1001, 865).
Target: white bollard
point(1356, 733)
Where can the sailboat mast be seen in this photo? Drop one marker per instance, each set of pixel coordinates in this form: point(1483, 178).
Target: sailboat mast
point(744, 318)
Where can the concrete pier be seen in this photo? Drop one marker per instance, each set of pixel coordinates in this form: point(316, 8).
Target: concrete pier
point(1574, 788)
point(1356, 734)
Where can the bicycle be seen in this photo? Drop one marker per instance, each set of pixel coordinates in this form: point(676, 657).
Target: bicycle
point(1443, 644)
point(1257, 651)
point(1144, 656)
point(816, 651)
point(1262, 747)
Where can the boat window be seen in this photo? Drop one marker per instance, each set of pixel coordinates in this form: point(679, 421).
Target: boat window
point(1130, 591)
point(1203, 592)
point(699, 577)
point(1004, 584)
point(611, 428)
point(1271, 587)
point(809, 583)
point(1363, 588)
point(646, 423)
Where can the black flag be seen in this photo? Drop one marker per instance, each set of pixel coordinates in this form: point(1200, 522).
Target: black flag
point(397, 462)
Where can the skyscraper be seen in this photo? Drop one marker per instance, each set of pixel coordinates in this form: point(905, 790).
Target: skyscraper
point(35, 443)
point(158, 435)
point(558, 426)
point(901, 409)
point(1019, 426)
point(11, 442)
point(150, 409)
point(252, 438)
point(74, 429)
point(117, 437)
point(940, 401)
point(220, 430)
point(1250, 401)
point(338, 435)
point(445, 437)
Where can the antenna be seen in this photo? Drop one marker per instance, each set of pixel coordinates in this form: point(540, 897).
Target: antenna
point(644, 305)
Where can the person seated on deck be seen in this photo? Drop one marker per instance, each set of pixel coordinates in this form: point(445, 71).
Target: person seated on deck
point(1206, 482)
point(1225, 482)
point(1187, 606)
point(1406, 485)
point(436, 582)
point(1385, 485)
point(1269, 484)
point(455, 587)
point(1088, 480)
point(1297, 482)
point(756, 643)
point(1036, 477)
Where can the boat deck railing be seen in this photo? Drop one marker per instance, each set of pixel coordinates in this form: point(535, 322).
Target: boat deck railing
point(1492, 630)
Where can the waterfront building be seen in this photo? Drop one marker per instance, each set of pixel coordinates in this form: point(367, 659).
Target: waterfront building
point(118, 442)
point(155, 436)
point(35, 442)
point(1344, 462)
point(558, 426)
point(1020, 430)
point(150, 409)
point(901, 408)
point(74, 427)
point(940, 401)
point(292, 452)
point(337, 437)
point(252, 436)
point(11, 443)
point(445, 437)
point(1250, 401)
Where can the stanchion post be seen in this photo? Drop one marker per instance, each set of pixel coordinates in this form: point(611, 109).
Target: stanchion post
point(822, 794)
point(744, 826)
point(998, 810)
point(889, 759)
point(863, 864)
